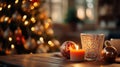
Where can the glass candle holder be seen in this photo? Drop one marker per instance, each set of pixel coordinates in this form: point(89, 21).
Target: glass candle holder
point(92, 44)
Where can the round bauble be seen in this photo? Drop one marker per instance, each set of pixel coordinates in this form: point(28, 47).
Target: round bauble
point(65, 48)
point(109, 54)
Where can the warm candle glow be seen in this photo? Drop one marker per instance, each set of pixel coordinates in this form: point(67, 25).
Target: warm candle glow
point(77, 47)
point(77, 54)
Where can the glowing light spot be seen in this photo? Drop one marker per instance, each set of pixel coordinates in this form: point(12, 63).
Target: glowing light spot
point(33, 20)
point(16, 1)
point(10, 38)
point(9, 6)
point(33, 29)
point(41, 39)
point(35, 4)
point(25, 16)
point(12, 46)
point(51, 43)
point(0, 8)
point(6, 19)
point(26, 23)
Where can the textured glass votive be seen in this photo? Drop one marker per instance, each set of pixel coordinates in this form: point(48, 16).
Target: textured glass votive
point(92, 44)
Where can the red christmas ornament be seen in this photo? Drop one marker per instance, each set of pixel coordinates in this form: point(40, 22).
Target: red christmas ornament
point(18, 35)
point(65, 48)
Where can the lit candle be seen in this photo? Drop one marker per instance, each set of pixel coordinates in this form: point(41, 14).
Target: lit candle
point(77, 54)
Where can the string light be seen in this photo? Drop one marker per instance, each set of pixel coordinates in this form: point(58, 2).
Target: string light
point(26, 23)
point(51, 43)
point(33, 19)
point(9, 6)
point(35, 4)
point(6, 19)
point(0, 8)
point(16, 1)
point(32, 28)
point(41, 39)
point(12, 46)
point(24, 17)
point(10, 38)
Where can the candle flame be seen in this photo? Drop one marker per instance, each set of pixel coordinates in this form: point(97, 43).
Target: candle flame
point(77, 47)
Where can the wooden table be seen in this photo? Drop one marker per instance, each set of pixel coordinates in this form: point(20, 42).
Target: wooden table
point(49, 60)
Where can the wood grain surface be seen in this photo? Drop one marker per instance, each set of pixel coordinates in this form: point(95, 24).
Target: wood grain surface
point(49, 60)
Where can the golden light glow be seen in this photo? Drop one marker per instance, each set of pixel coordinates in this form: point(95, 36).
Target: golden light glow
point(35, 4)
point(6, 19)
point(9, 6)
point(16, 1)
point(77, 47)
point(46, 25)
point(32, 28)
point(41, 39)
point(51, 43)
point(0, 8)
point(26, 23)
point(25, 16)
point(10, 38)
point(12, 46)
point(32, 7)
point(33, 19)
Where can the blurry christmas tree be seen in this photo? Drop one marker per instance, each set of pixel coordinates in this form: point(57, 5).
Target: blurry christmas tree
point(25, 27)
